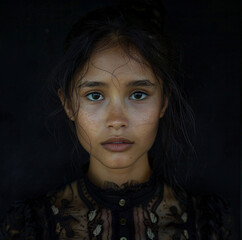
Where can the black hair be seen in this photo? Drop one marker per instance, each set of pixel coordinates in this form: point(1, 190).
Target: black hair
point(139, 25)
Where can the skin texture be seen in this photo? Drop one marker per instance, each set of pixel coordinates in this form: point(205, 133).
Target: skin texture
point(114, 110)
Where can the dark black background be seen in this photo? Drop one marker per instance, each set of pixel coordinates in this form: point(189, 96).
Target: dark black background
point(31, 39)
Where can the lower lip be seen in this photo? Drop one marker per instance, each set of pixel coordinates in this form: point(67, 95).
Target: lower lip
point(117, 147)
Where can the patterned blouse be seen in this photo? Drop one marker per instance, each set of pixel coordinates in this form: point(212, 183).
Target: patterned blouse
point(146, 211)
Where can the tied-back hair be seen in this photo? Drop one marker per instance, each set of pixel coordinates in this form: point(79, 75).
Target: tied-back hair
point(135, 25)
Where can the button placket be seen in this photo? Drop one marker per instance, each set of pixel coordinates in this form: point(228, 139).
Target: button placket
point(124, 216)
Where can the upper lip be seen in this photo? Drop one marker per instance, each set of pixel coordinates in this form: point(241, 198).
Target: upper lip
point(117, 139)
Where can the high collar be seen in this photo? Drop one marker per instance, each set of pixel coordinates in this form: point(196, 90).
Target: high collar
point(120, 198)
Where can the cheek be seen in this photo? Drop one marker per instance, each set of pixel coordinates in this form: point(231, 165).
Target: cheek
point(145, 125)
point(146, 115)
point(90, 116)
point(87, 123)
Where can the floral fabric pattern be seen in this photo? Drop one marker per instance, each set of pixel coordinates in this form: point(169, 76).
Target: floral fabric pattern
point(147, 211)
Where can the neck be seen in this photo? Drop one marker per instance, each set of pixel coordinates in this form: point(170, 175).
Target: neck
point(101, 175)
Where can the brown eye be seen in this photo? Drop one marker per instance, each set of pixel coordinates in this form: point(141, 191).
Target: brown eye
point(138, 96)
point(94, 96)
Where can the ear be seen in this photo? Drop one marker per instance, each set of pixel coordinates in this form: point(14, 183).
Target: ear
point(165, 104)
point(66, 103)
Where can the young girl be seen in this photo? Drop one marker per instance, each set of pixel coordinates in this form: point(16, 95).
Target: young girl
point(117, 85)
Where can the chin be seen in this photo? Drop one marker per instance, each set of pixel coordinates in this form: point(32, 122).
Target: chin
point(118, 164)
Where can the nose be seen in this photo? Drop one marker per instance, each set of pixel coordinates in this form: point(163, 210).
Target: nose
point(116, 116)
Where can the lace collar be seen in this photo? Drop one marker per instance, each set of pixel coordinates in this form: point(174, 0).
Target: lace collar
point(131, 193)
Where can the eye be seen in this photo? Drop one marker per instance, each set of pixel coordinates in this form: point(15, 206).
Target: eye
point(139, 95)
point(94, 96)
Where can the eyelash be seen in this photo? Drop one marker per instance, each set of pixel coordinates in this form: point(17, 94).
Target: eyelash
point(131, 95)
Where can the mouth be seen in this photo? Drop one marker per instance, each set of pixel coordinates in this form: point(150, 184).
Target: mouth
point(117, 144)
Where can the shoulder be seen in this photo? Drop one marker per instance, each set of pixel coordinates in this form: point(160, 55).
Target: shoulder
point(209, 215)
point(26, 219)
point(212, 216)
point(34, 218)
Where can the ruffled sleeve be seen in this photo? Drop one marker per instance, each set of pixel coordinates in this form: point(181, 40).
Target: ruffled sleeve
point(28, 220)
point(212, 217)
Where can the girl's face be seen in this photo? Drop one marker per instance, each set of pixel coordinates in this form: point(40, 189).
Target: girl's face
point(118, 98)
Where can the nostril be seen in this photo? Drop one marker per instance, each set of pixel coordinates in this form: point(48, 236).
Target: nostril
point(116, 125)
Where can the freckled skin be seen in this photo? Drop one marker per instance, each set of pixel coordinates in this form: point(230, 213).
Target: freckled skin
point(118, 115)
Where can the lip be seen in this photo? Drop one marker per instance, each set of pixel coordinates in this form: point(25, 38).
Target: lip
point(117, 144)
point(117, 147)
point(117, 139)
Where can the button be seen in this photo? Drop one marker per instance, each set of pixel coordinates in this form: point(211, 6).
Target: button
point(123, 221)
point(121, 202)
point(123, 238)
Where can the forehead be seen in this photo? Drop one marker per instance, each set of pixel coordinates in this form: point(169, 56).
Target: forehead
point(117, 62)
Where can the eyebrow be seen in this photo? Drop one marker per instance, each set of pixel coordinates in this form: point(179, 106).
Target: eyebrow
point(136, 83)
